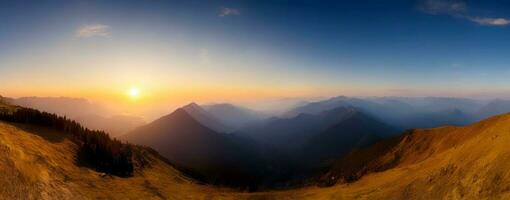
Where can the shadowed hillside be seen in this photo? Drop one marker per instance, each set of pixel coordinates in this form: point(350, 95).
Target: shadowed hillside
point(455, 162)
point(47, 170)
point(214, 156)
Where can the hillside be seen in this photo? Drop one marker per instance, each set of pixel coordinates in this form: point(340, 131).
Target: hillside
point(448, 162)
point(38, 163)
point(469, 162)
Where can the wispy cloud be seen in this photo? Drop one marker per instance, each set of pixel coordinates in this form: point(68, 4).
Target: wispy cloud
point(229, 11)
point(91, 30)
point(459, 8)
point(490, 21)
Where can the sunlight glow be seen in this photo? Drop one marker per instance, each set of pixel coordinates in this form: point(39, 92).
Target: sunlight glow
point(134, 92)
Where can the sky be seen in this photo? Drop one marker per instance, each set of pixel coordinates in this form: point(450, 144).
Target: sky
point(211, 51)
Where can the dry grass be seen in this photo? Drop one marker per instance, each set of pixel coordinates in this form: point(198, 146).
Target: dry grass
point(34, 166)
point(444, 163)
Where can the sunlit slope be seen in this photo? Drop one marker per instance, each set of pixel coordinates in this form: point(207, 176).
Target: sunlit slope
point(443, 163)
point(470, 162)
point(38, 163)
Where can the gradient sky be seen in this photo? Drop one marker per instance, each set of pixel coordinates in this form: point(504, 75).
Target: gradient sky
point(221, 50)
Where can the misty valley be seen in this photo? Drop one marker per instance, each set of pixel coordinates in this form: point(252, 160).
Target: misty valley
point(321, 143)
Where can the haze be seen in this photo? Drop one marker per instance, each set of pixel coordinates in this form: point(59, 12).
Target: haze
point(248, 52)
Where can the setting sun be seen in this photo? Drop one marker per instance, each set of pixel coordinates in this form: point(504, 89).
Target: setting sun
point(134, 92)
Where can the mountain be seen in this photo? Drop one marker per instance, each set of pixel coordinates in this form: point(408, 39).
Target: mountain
point(463, 162)
point(39, 162)
point(205, 118)
point(43, 156)
point(331, 132)
point(403, 112)
point(185, 141)
point(356, 131)
point(494, 107)
point(290, 133)
point(234, 116)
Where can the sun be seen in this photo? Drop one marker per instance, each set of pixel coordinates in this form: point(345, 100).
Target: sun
point(134, 92)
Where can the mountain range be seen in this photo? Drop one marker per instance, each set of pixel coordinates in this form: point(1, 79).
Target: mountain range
point(413, 112)
point(184, 140)
point(452, 162)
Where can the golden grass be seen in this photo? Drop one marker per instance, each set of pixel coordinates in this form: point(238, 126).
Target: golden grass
point(448, 163)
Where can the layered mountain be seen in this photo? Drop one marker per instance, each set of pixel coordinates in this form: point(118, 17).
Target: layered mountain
point(494, 107)
point(234, 116)
point(462, 162)
point(404, 112)
point(42, 159)
point(182, 139)
point(206, 118)
point(355, 131)
point(290, 134)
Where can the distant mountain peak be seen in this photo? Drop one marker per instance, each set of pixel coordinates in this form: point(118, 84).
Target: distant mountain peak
point(205, 118)
point(233, 115)
point(192, 105)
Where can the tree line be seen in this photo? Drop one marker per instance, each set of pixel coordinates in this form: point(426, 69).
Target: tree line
point(96, 148)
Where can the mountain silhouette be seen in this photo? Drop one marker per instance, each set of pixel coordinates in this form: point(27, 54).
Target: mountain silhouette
point(404, 112)
point(205, 118)
point(355, 131)
point(290, 134)
point(185, 141)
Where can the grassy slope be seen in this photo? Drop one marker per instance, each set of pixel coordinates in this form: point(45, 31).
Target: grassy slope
point(467, 162)
point(39, 164)
point(443, 163)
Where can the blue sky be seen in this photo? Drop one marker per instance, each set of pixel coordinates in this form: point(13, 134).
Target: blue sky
point(286, 48)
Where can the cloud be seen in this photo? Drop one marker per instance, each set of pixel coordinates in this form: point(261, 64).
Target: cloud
point(229, 11)
point(459, 9)
point(490, 21)
point(92, 30)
